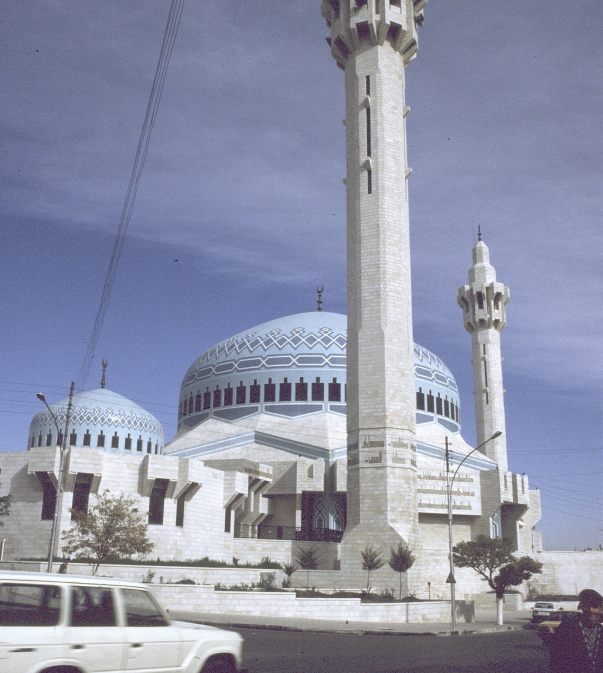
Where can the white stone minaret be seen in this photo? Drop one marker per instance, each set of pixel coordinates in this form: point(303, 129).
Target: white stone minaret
point(483, 302)
point(372, 41)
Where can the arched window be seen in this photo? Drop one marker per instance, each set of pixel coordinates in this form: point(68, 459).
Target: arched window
point(284, 393)
point(318, 391)
point(254, 393)
point(334, 391)
point(420, 400)
point(301, 391)
point(270, 391)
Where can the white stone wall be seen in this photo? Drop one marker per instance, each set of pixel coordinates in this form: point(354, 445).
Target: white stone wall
point(204, 599)
point(567, 572)
point(27, 536)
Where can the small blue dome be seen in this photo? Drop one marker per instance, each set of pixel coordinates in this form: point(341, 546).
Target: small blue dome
point(294, 366)
point(99, 419)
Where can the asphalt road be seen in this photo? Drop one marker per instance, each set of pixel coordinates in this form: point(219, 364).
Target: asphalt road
point(268, 651)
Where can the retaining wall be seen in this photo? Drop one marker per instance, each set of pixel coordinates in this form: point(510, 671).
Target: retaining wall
point(190, 598)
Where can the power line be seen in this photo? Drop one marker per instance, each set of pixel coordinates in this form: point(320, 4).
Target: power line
point(169, 38)
point(578, 516)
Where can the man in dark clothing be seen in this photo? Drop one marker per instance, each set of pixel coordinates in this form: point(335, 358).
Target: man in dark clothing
point(577, 645)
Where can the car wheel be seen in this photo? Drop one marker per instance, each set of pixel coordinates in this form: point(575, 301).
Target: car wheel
point(219, 664)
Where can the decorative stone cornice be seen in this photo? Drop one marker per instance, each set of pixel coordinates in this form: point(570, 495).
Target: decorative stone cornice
point(356, 24)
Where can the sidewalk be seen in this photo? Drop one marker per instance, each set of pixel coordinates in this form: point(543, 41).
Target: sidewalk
point(485, 622)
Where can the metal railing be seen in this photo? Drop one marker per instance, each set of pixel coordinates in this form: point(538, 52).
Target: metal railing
point(267, 532)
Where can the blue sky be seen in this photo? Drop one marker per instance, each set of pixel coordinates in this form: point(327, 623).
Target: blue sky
point(240, 212)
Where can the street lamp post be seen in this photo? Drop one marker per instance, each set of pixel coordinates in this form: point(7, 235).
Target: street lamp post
point(63, 449)
point(449, 483)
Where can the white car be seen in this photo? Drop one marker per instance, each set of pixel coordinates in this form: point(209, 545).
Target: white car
point(71, 624)
point(542, 611)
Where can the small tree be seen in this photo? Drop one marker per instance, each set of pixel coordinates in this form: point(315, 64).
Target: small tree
point(371, 560)
point(400, 560)
point(486, 555)
point(288, 569)
point(4, 506)
point(308, 559)
point(113, 528)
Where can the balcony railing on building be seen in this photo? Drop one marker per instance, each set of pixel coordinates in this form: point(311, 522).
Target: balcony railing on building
point(266, 532)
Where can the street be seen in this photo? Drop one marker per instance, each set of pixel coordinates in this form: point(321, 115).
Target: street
point(267, 651)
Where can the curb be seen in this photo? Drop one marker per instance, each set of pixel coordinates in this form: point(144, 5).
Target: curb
point(360, 632)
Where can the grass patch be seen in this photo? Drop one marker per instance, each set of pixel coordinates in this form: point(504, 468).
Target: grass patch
point(386, 596)
point(247, 587)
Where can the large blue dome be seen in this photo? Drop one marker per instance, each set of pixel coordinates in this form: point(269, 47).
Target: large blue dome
point(295, 366)
point(100, 419)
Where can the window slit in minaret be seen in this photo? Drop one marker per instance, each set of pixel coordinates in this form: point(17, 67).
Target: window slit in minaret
point(369, 180)
point(368, 131)
point(368, 85)
point(485, 372)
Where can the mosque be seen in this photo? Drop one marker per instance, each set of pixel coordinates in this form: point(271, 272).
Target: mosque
point(259, 465)
point(319, 430)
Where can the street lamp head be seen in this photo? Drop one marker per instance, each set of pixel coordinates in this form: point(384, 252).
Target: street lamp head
point(498, 433)
point(41, 397)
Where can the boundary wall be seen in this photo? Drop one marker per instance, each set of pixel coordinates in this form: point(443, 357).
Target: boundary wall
point(204, 599)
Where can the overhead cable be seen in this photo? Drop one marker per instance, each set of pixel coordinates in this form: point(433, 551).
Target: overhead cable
point(169, 38)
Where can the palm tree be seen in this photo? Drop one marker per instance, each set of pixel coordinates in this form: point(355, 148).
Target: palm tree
point(288, 569)
point(401, 560)
point(308, 559)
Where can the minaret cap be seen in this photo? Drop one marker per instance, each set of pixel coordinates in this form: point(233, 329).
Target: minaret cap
point(481, 254)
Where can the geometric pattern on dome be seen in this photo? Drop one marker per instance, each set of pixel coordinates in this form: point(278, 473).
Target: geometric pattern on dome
point(298, 337)
point(423, 355)
point(443, 377)
point(285, 361)
point(97, 416)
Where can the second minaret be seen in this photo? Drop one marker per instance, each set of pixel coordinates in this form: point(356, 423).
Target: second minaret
point(483, 302)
